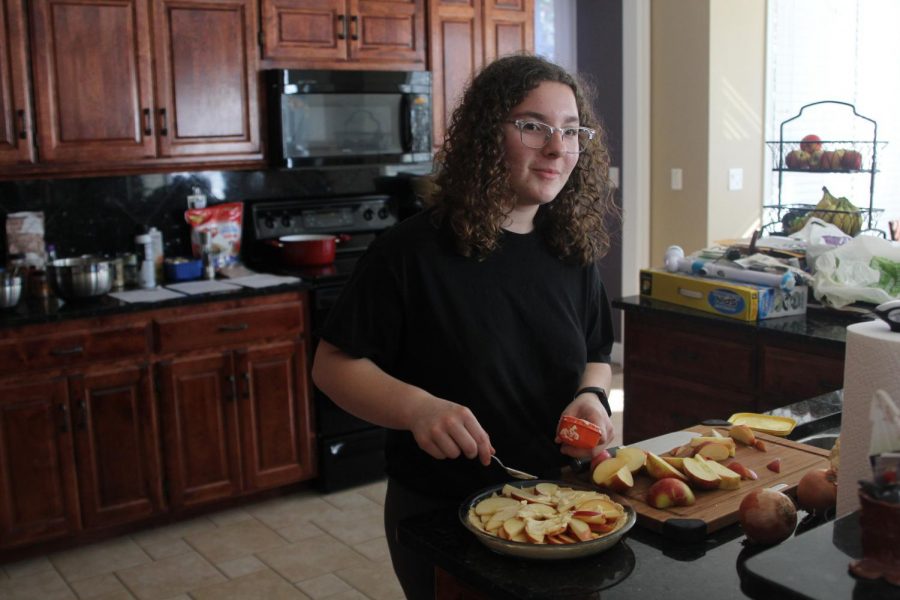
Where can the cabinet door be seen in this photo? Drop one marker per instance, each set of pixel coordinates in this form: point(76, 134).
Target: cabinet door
point(508, 27)
point(276, 428)
point(390, 32)
point(455, 54)
point(207, 87)
point(39, 499)
point(199, 416)
point(15, 100)
point(794, 374)
point(312, 30)
point(92, 80)
point(116, 445)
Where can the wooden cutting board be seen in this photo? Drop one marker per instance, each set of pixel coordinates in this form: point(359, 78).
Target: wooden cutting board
point(715, 509)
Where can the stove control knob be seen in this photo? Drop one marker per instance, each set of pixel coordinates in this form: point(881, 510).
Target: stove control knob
point(368, 214)
point(269, 222)
point(286, 220)
point(382, 213)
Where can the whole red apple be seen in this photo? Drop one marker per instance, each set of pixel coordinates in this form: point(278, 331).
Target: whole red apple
point(797, 159)
point(852, 160)
point(811, 143)
point(767, 516)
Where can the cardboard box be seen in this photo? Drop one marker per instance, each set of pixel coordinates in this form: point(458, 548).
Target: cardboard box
point(735, 300)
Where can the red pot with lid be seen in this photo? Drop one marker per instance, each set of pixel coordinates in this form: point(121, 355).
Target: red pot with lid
point(307, 250)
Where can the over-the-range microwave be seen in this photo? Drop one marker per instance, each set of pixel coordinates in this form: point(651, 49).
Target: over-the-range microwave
point(320, 118)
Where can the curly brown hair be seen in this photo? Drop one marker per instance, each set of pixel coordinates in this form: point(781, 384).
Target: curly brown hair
point(473, 193)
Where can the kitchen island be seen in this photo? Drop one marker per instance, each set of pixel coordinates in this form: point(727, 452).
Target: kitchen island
point(644, 564)
point(682, 365)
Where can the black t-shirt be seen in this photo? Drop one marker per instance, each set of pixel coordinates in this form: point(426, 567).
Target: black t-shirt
point(508, 336)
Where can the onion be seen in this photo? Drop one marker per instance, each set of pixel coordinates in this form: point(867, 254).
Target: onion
point(767, 516)
point(816, 491)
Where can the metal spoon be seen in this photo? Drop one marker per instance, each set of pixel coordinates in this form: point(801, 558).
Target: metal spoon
point(513, 472)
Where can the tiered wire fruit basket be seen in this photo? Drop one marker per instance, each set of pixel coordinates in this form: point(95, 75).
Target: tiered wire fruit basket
point(792, 155)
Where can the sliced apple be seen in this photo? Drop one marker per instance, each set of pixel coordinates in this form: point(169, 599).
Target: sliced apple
point(635, 458)
point(501, 516)
point(774, 465)
point(604, 470)
point(743, 471)
point(760, 445)
point(546, 488)
point(610, 509)
point(621, 481)
point(700, 475)
point(743, 434)
point(590, 516)
point(535, 510)
point(682, 451)
point(580, 529)
point(657, 468)
point(513, 527)
point(603, 527)
point(728, 479)
point(669, 492)
point(535, 531)
point(713, 451)
point(489, 506)
point(716, 433)
point(675, 461)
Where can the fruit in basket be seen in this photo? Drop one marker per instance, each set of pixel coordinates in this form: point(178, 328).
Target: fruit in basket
point(825, 160)
point(837, 211)
point(837, 159)
point(797, 160)
point(811, 143)
point(815, 160)
point(852, 160)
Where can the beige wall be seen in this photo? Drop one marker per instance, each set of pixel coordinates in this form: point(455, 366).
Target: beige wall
point(707, 100)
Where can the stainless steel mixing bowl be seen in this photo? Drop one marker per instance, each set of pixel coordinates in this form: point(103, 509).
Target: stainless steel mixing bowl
point(10, 289)
point(84, 277)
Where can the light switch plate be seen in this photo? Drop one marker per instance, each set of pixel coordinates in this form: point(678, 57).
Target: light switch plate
point(735, 179)
point(677, 182)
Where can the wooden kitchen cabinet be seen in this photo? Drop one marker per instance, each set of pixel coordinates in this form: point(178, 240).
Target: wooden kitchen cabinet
point(466, 34)
point(235, 402)
point(345, 34)
point(679, 370)
point(78, 440)
point(16, 146)
point(121, 82)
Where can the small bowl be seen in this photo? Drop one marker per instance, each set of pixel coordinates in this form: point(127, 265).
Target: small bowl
point(10, 290)
point(578, 432)
point(84, 277)
point(183, 269)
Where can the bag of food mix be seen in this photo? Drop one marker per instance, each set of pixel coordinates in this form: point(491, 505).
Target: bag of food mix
point(223, 224)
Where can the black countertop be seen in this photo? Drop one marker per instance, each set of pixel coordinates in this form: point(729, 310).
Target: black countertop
point(644, 565)
point(824, 325)
point(53, 310)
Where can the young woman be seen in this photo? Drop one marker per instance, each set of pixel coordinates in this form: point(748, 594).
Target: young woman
point(471, 327)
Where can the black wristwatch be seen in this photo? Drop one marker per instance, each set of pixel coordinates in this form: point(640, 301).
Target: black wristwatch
point(601, 393)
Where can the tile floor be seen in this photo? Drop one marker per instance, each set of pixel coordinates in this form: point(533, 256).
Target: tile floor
point(304, 546)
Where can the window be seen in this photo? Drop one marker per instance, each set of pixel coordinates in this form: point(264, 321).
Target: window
point(844, 50)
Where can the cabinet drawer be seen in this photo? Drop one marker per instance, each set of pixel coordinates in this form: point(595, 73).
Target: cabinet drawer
point(704, 359)
point(73, 347)
point(228, 327)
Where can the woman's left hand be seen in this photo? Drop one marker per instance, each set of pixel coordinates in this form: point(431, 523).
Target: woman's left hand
point(589, 408)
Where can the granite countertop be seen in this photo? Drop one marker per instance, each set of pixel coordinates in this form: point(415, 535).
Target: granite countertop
point(644, 564)
point(819, 323)
point(33, 312)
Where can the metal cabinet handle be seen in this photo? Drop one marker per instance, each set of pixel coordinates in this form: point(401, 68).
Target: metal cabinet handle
point(235, 327)
point(148, 122)
point(354, 20)
point(342, 29)
point(164, 120)
point(23, 131)
point(64, 418)
point(67, 351)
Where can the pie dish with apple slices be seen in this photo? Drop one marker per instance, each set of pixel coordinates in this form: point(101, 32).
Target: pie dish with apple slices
point(547, 520)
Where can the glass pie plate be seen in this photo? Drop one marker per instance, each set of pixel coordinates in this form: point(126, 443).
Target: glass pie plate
point(543, 551)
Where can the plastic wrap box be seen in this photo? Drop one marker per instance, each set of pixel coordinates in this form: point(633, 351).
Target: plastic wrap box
point(732, 299)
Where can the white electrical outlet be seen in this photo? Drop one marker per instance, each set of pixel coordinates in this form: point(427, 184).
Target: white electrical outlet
point(676, 182)
point(614, 176)
point(735, 179)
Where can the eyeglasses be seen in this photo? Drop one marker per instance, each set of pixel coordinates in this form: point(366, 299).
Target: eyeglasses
point(535, 134)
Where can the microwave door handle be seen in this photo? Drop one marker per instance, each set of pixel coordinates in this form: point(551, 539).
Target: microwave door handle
point(406, 117)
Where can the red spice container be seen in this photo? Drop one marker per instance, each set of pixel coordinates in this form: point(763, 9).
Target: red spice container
point(578, 432)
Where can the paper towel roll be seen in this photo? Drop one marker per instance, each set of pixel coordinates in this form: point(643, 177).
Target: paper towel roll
point(871, 363)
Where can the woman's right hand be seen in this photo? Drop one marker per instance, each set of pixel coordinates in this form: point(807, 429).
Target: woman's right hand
point(445, 429)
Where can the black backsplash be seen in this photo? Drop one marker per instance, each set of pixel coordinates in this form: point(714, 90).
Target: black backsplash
point(102, 215)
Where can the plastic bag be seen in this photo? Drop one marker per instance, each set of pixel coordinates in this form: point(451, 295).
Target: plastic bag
point(846, 274)
point(223, 223)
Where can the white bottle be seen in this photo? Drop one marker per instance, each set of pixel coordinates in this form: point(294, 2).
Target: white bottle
point(147, 272)
point(157, 250)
